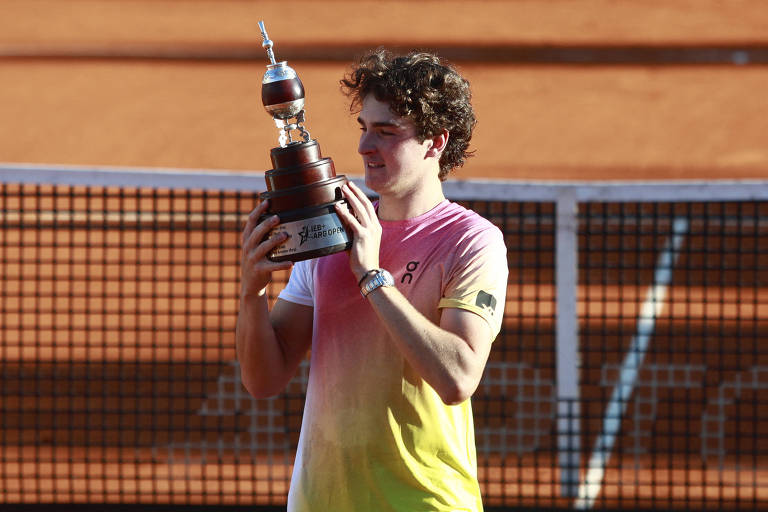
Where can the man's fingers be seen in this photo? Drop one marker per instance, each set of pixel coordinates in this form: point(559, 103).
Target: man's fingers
point(274, 266)
point(257, 234)
point(362, 198)
point(253, 220)
point(257, 268)
point(257, 260)
point(360, 204)
point(346, 216)
point(270, 243)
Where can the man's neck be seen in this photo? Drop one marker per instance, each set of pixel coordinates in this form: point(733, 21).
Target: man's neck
point(410, 205)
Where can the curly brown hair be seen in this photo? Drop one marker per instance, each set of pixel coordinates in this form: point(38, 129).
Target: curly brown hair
point(424, 88)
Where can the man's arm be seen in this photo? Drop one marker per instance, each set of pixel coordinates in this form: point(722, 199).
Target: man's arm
point(270, 345)
point(449, 357)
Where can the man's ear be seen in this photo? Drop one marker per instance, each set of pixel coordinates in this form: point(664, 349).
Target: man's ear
point(438, 143)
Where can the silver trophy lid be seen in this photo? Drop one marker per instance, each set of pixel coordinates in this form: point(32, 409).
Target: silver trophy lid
point(282, 93)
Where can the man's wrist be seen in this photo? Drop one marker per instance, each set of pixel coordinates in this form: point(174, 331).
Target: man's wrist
point(257, 294)
point(366, 275)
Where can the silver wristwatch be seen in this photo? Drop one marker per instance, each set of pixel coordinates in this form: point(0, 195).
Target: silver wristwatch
point(381, 278)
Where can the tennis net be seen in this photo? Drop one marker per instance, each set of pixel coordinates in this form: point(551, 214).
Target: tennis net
point(630, 373)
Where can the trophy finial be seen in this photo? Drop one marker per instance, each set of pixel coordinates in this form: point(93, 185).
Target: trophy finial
point(282, 94)
point(267, 43)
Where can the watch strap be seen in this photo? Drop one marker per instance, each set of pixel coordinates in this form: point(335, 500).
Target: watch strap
point(380, 278)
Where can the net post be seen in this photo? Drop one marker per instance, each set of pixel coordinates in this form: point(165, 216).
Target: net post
point(566, 336)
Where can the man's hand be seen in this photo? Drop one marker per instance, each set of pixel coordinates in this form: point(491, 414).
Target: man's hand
point(365, 227)
point(256, 267)
point(270, 345)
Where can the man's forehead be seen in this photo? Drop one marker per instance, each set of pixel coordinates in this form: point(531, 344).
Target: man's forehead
point(378, 112)
point(394, 121)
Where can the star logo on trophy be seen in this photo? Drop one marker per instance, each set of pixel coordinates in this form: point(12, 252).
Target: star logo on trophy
point(303, 234)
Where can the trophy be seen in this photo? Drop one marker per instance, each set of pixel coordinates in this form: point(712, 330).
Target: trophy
point(302, 186)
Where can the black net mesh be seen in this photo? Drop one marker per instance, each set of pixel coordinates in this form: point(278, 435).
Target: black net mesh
point(120, 382)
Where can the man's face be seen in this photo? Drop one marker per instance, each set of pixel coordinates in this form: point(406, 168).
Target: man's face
point(395, 161)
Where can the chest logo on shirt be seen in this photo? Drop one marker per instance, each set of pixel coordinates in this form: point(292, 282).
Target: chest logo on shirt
point(410, 267)
point(486, 301)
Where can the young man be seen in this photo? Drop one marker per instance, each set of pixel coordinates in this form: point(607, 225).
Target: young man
point(401, 325)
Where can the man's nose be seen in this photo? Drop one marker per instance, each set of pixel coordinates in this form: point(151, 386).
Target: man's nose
point(365, 145)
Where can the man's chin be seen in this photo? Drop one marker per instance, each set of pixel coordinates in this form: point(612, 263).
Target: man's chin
point(373, 182)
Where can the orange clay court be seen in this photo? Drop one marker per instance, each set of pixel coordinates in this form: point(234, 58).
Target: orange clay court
point(132, 84)
point(86, 83)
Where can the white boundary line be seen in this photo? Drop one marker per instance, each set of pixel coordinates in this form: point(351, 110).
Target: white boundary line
point(123, 177)
point(646, 322)
point(492, 190)
point(610, 191)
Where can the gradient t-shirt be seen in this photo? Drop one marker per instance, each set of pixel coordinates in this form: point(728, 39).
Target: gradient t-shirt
point(375, 436)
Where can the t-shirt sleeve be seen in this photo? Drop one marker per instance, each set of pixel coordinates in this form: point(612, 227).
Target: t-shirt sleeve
point(478, 280)
point(300, 287)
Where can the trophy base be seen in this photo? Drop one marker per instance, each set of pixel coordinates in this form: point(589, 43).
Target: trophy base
point(312, 232)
